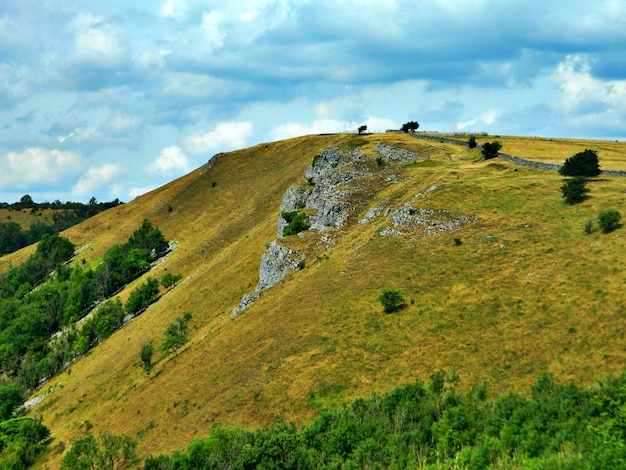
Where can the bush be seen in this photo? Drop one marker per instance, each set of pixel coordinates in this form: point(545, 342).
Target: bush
point(472, 142)
point(392, 300)
point(297, 222)
point(491, 149)
point(574, 190)
point(582, 164)
point(609, 220)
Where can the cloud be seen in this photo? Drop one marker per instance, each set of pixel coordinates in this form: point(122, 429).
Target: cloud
point(323, 126)
point(172, 160)
point(225, 136)
point(38, 166)
point(139, 191)
point(96, 178)
point(485, 119)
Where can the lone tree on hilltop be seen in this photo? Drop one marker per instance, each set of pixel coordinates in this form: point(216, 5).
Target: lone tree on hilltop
point(410, 126)
point(491, 149)
point(582, 164)
point(362, 129)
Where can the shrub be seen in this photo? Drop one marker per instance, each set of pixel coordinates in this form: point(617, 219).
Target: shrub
point(609, 220)
point(472, 142)
point(491, 149)
point(582, 164)
point(392, 300)
point(297, 222)
point(574, 190)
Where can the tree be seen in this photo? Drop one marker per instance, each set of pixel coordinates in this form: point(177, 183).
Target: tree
point(392, 300)
point(574, 190)
point(471, 142)
point(146, 354)
point(410, 126)
point(175, 335)
point(10, 400)
point(168, 279)
point(362, 129)
point(609, 220)
point(109, 451)
point(491, 149)
point(582, 164)
point(26, 200)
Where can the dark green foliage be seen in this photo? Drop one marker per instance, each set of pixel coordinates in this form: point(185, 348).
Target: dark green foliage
point(609, 220)
point(143, 296)
point(10, 400)
point(434, 426)
point(29, 316)
point(12, 238)
point(176, 334)
point(491, 149)
point(149, 238)
point(471, 142)
point(168, 279)
point(574, 190)
point(109, 451)
point(582, 164)
point(362, 129)
point(297, 222)
point(392, 300)
point(146, 354)
point(22, 440)
point(410, 126)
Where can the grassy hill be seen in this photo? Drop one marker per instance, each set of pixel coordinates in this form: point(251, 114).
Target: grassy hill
point(519, 289)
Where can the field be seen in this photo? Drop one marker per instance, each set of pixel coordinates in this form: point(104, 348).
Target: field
point(518, 290)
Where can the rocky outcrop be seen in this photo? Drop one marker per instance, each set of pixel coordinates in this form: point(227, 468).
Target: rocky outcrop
point(397, 154)
point(330, 181)
point(276, 264)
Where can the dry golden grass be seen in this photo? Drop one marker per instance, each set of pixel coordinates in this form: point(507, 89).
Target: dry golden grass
point(526, 290)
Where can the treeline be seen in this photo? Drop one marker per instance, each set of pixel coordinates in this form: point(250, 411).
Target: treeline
point(42, 299)
point(420, 425)
point(64, 215)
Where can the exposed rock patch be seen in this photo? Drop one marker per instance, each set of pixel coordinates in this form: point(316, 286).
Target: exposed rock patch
point(276, 264)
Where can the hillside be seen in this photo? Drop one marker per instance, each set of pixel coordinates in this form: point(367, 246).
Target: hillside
point(514, 288)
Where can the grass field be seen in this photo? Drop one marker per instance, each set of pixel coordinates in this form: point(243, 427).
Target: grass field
point(519, 289)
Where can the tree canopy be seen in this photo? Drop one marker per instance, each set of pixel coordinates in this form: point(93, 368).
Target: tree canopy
point(582, 164)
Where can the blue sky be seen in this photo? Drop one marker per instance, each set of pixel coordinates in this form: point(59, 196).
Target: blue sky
point(111, 98)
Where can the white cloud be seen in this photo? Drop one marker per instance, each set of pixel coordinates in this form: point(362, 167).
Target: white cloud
point(174, 9)
point(139, 191)
point(122, 124)
point(96, 178)
point(171, 160)
point(38, 166)
point(98, 42)
point(226, 136)
point(579, 87)
point(485, 119)
point(322, 126)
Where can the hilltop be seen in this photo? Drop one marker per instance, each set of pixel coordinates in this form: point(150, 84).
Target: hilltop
point(500, 278)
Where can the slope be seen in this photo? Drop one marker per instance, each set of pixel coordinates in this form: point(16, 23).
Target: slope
point(515, 289)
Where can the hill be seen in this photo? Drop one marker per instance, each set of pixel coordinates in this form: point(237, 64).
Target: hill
point(501, 282)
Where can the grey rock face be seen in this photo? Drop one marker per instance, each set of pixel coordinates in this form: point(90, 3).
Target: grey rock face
point(396, 154)
point(430, 220)
point(276, 264)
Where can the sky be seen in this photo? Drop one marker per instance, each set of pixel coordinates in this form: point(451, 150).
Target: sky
point(111, 99)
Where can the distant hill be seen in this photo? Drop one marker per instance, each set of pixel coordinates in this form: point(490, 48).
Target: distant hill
point(24, 223)
point(499, 277)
